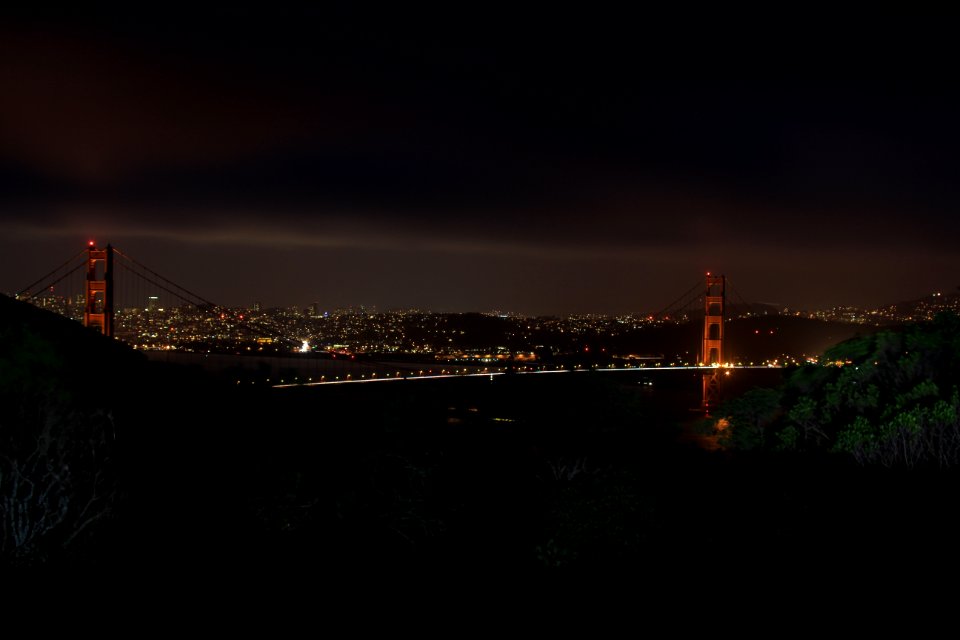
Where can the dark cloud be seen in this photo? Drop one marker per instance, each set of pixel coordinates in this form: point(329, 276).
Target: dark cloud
point(590, 156)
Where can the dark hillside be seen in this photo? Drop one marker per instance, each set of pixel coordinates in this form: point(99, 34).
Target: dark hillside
point(66, 394)
point(158, 470)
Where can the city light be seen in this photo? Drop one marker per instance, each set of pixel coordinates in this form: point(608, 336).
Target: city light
point(446, 344)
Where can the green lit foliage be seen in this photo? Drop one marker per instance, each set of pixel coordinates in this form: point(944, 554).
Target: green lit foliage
point(910, 434)
point(890, 398)
point(803, 418)
point(750, 417)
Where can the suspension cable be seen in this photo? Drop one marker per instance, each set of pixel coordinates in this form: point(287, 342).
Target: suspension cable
point(678, 300)
point(68, 273)
point(164, 288)
point(167, 280)
point(27, 289)
point(213, 306)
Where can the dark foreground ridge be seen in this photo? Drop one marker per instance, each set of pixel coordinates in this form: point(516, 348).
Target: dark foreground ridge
point(122, 467)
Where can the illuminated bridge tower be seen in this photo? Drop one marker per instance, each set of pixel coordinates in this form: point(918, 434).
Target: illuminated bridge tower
point(98, 312)
point(714, 307)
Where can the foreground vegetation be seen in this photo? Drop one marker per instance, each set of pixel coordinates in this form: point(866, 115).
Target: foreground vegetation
point(123, 467)
point(890, 398)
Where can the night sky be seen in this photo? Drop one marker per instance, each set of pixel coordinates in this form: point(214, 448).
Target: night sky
point(487, 158)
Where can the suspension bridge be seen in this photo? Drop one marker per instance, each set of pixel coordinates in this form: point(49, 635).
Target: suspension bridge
point(114, 294)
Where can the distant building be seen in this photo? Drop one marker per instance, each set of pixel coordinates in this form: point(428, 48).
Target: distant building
point(257, 306)
point(153, 303)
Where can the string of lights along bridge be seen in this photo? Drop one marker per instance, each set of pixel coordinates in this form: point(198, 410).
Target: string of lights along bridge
point(112, 293)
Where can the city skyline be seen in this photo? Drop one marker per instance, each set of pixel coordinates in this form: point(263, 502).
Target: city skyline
point(538, 166)
point(149, 296)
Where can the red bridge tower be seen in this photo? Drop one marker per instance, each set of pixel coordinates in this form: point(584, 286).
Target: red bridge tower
point(98, 312)
point(711, 355)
